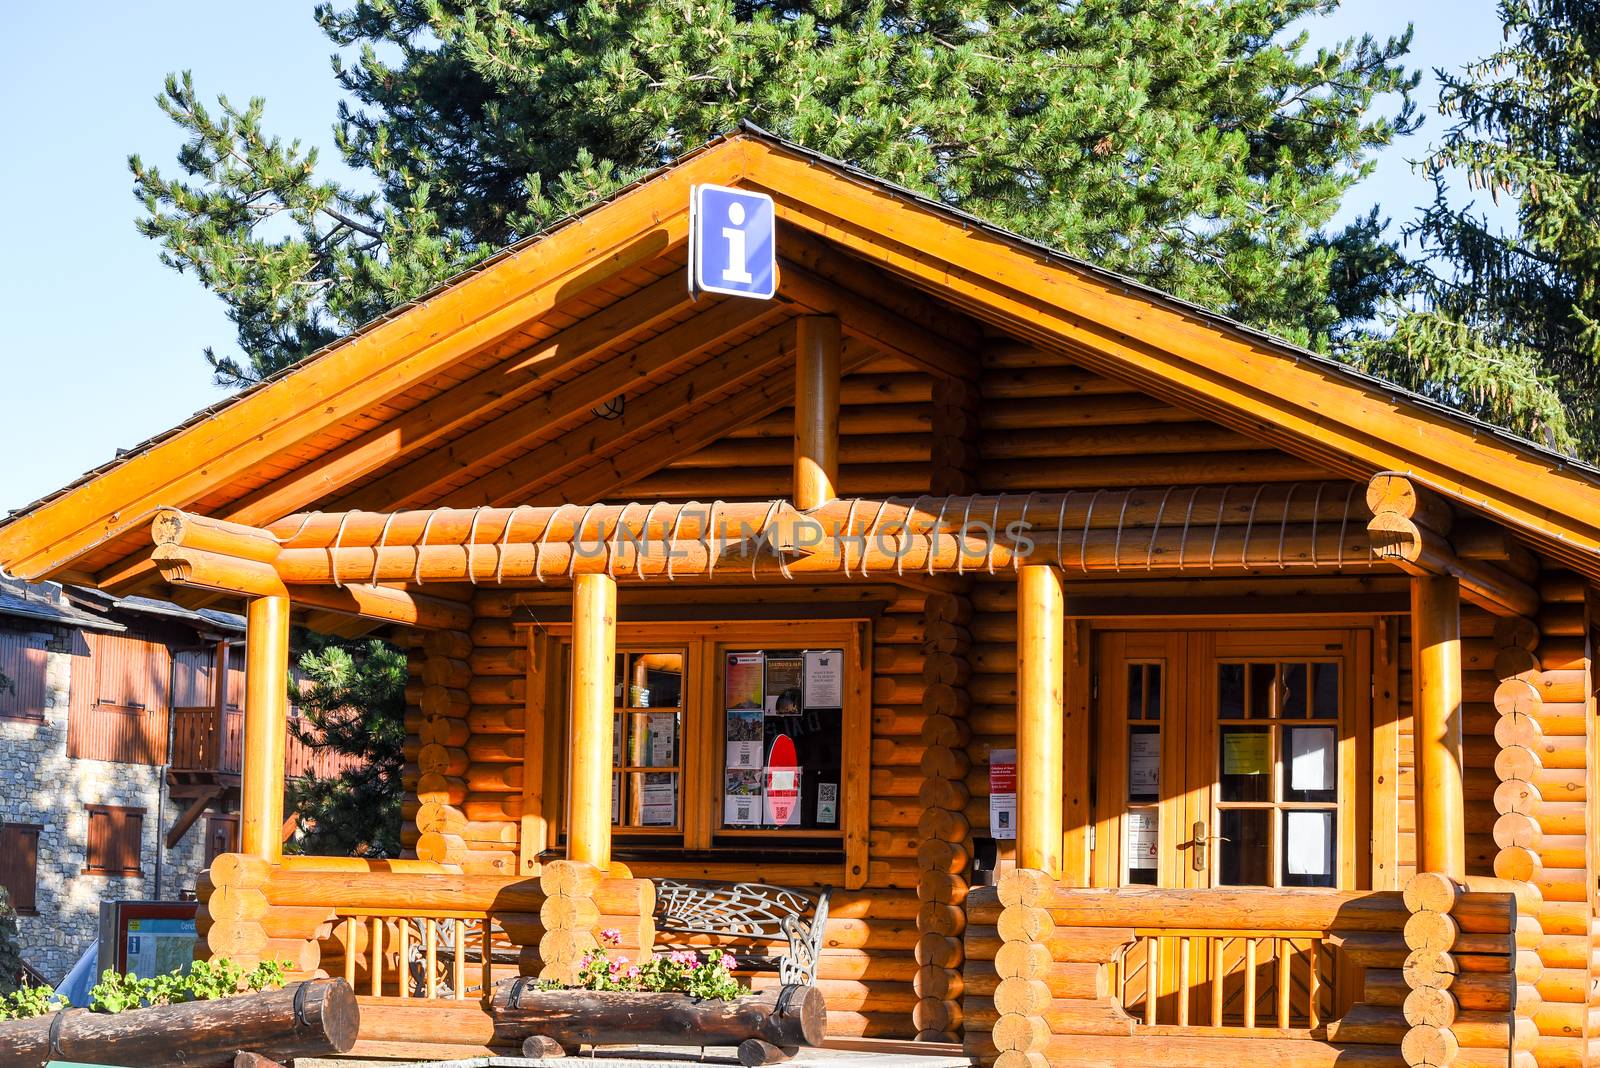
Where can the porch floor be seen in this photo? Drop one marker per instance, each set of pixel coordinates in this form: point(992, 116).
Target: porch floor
point(841, 1053)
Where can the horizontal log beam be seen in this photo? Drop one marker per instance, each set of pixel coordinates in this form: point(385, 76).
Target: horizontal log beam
point(1408, 527)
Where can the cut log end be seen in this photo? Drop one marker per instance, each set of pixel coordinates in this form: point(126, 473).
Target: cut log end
point(754, 1051)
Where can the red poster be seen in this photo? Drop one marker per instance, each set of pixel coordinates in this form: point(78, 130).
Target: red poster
point(783, 784)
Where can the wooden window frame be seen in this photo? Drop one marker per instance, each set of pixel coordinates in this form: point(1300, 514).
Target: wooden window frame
point(125, 811)
point(700, 757)
point(26, 829)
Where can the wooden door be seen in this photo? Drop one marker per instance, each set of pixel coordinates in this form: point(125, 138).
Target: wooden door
point(1231, 759)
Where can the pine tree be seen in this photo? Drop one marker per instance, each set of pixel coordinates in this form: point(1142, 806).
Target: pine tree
point(355, 706)
point(1508, 324)
point(1199, 145)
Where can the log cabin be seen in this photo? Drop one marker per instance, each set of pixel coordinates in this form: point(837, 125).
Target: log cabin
point(1153, 692)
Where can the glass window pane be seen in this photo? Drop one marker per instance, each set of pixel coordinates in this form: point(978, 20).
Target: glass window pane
point(1310, 764)
point(1230, 691)
point(1308, 849)
point(1325, 695)
point(1262, 679)
point(1135, 691)
point(1246, 759)
point(1292, 677)
point(1144, 763)
point(783, 737)
point(653, 799)
point(1152, 695)
point(653, 740)
point(1140, 848)
point(1242, 860)
point(619, 682)
point(656, 681)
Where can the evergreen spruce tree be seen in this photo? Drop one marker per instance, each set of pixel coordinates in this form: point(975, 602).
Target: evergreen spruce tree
point(1199, 145)
point(354, 706)
point(1508, 324)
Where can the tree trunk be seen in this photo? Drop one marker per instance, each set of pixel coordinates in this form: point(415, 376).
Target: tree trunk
point(306, 1019)
point(588, 1017)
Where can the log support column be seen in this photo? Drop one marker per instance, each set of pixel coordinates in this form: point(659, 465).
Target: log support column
point(1436, 639)
point(1041, 666)
point(266, 719)
point(594, 648)
point(1023, 964)
point(816, 411)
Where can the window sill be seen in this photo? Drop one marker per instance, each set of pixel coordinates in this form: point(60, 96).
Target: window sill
point(23, 717)
point(113, 873)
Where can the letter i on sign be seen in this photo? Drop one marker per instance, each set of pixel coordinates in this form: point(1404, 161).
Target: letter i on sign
point(732, 250)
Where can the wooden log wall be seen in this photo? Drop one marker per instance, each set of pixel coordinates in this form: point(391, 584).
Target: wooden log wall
point(1469, 998)
point(944, 855)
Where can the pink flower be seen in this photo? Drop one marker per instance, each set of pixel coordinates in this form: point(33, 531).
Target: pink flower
point(728, 962)
point(611, 936)
point(633, 972)
point(688, 958)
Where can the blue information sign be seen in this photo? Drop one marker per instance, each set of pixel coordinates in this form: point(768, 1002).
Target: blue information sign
point(731, 245)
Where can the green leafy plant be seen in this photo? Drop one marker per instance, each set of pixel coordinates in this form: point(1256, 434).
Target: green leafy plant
point(679, 972)
point(28, 1001)
point(199, 981)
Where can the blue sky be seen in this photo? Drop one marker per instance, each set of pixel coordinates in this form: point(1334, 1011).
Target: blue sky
point(102, 344)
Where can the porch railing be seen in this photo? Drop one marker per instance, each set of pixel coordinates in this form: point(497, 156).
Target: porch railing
point(1285, 981)
point(429, 957)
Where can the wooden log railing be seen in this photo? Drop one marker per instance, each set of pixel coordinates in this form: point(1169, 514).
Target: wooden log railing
point(1078, 960)
point(1290, 982)
point(454, 955)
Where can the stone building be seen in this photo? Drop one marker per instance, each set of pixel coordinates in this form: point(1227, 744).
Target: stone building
point(86, 805)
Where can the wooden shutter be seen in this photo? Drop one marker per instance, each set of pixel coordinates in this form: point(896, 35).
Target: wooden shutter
point(23, 661)
point(115, 839)
point(222, 836)
point(19, 866)
point(119, 700)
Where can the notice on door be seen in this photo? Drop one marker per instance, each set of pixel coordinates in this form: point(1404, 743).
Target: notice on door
point(1142, 838)
point(1003, 794)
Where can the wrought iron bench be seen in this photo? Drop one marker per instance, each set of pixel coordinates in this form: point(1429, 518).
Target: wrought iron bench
point(755, 911)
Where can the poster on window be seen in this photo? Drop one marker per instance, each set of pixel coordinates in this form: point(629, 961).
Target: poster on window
point(744, 682)
point(616, 797)
point(1246, 753)
point(781, 800)
point(658, 800)
point(1142, 840)
point(1003, 794)
point(744, 740)
point(1306, 840)
point(783, 683)
point(1144, 764)
point(824, 678)
point(827, 802)
point(741, 798)
point(663, 739)
point(1313, 759)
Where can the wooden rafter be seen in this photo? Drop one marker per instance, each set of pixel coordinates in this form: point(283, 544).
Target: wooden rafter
point(1182, 357)
point(864, 317)
point(544, 468)
point(385, 360)
point(422, 479)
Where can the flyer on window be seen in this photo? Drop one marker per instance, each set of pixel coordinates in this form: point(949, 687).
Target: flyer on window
point(663, 739)
point(744, 740)
point(827, 802)
point(1142, 840)
point(658, 800)
point(1003, 794)
point(824, 678)
point(744, 682)
point(784, 678)
point(741, 798)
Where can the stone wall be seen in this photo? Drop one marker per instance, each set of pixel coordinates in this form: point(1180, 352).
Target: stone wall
point(40, 785)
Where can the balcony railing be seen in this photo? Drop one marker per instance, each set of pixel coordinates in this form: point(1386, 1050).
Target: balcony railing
point(195, 748)
point(1279, 980)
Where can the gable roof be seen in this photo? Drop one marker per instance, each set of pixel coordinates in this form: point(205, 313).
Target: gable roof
point(468, 369)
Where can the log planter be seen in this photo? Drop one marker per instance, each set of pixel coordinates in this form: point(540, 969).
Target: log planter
point(768, 1027)
point(308, 1019)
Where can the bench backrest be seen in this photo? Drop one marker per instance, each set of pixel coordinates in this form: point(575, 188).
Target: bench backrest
point(752, 911)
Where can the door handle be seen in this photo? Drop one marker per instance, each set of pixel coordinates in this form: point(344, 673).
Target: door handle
point(1198, 844)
